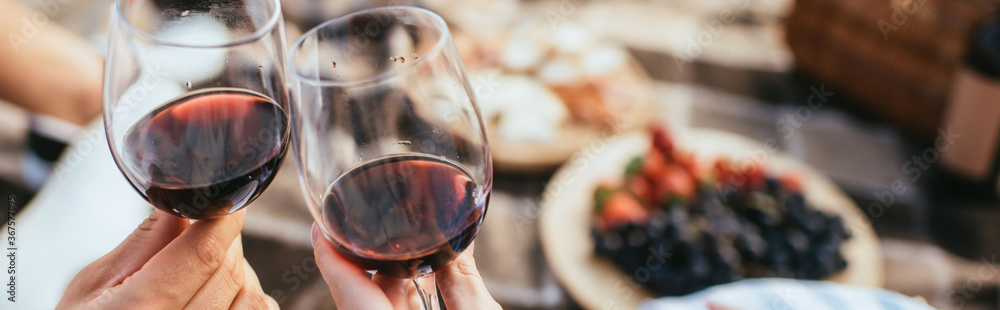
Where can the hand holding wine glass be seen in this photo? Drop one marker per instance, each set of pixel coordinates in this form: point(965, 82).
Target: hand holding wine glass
point(461, 285)
point(391, 146)
point(170, 263)
point(196, 120)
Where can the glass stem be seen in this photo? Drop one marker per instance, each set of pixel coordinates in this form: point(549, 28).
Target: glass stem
point(428, 300)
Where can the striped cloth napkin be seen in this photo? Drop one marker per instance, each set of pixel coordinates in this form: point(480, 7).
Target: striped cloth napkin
point(787, 294)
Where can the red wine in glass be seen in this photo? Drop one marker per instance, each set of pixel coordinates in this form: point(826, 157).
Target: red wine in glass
point(209, 153)
point(404, 215)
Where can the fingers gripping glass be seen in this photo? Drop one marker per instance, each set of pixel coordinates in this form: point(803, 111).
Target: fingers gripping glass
point(195, 101)
point(392, 151)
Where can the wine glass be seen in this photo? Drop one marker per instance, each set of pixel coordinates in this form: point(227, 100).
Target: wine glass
point(392, 151)
point(196, 109)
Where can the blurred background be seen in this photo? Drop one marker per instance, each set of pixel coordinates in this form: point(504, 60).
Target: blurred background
point(896, 101)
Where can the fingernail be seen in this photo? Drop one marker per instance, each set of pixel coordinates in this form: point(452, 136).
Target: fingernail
point(315, 233)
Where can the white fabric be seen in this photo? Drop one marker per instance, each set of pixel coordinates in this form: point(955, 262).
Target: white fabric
point(787, 294)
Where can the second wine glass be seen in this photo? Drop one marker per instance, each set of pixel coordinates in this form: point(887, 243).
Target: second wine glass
point(393, 155)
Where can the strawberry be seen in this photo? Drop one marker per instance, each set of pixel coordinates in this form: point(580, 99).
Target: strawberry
point(662, 141)
point(723, 172)
point(675, 182)
point(640, 187)
point(689, 163)
point(792, 181)
point(755, 177)
point(654, 165)
point(622, 208)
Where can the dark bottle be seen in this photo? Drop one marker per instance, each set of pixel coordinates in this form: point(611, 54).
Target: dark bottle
point(970, 159)
point(964, 184)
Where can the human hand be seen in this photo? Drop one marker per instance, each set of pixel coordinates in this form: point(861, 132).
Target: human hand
point(171, 263)
point(47, 69)
point(461, 285)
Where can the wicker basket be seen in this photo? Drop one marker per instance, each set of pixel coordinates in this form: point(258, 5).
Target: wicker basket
point(895, 58)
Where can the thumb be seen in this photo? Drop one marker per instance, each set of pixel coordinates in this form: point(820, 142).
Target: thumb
point(148, 239)
point(462, 286)
point(111, 269)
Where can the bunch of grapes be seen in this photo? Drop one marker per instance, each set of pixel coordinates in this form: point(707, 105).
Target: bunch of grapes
point(677, 242)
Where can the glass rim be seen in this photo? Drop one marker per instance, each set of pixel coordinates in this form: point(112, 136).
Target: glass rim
point(269, 26)
point(435, 50)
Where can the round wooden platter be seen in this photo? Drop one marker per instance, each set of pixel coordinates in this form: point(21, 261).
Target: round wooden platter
point(595, 283)
point(532, 157)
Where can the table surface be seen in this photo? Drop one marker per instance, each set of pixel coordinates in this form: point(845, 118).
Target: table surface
point(748, 96)
point(742, 82)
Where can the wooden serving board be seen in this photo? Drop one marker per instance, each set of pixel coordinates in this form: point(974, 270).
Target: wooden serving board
point(595, 283)
point(531, 157)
